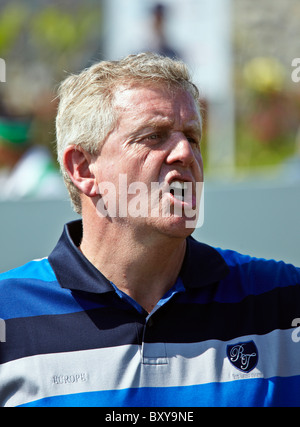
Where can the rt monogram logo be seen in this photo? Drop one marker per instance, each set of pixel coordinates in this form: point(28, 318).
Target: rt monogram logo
point(243, 356)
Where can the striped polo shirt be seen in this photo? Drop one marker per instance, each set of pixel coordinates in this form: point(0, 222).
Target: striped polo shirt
point(226, 334)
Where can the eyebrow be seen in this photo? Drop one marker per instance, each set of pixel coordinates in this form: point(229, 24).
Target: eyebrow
point(156, 123)
point(162, 123)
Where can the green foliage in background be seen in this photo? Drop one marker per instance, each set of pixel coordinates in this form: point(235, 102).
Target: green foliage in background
point(47, 32)
point(12, 20)
point(61, 31)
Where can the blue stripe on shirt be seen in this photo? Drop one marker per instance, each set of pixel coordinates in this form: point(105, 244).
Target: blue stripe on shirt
point(23, 295)
point(39, 268)
point(253, 392)
point(253, 276)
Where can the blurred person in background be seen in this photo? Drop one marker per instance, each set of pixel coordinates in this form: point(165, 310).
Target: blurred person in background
point(27, 169)
point(158, 40)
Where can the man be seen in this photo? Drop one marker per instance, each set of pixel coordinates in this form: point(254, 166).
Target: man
point(128, 309)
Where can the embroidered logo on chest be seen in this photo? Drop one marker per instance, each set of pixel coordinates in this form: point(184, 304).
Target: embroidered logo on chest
point(243, 356)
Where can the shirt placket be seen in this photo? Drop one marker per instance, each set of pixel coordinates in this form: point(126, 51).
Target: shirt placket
point(152, 353)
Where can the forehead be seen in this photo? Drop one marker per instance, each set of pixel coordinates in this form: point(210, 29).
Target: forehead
point(156, 103)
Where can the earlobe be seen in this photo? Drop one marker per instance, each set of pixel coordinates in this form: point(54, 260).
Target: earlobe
point(77, 163)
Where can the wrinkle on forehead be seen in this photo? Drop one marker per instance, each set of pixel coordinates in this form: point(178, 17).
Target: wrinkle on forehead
point(128, 100)
point(170, 91)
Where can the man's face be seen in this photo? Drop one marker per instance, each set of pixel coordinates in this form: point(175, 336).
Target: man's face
point(151, 156)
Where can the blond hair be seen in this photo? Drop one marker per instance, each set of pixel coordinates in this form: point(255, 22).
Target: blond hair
point(86, 113)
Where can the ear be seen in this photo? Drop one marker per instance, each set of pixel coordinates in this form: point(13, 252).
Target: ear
point(77, 163)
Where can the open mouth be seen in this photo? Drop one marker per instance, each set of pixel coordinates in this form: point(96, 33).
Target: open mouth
point(178, 189)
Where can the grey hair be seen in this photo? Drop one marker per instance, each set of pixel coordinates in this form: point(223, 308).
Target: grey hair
point(86, 113)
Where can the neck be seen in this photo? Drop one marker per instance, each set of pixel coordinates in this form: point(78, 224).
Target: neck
point(142, 267)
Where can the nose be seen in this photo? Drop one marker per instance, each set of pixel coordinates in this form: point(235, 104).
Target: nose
point(180, 151)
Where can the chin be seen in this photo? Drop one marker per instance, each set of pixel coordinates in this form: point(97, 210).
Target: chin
point(175, 227)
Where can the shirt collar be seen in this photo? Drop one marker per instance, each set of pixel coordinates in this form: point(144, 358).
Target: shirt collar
point(202, 265)
point(72, 269)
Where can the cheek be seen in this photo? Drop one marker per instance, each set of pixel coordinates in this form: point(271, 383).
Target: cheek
point(154, 166)
point(139, 163)
point(106, 171)
point(199, 167)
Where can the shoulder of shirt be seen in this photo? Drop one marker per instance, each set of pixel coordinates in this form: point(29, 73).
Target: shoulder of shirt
point(39, 269)
point(33, 290)
point(255, 276)
point(234, 258)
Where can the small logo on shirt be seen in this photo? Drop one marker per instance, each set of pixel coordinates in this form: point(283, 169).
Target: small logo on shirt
point(70, 379)
point(243, 356)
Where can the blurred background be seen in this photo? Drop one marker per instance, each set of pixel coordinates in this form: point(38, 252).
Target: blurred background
point(240, 53)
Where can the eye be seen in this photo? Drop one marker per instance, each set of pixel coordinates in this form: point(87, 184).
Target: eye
point(150, 138)
point(153, 137)
point(193, 141)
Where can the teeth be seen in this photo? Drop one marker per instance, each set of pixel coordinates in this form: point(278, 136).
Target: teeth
point(177, 189)
point(178, 185)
